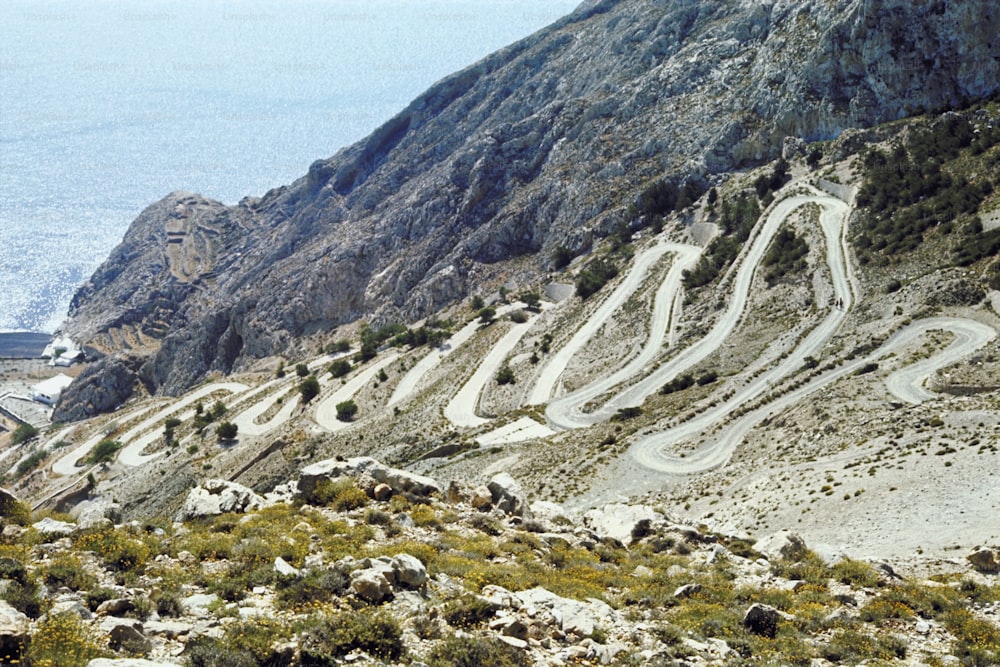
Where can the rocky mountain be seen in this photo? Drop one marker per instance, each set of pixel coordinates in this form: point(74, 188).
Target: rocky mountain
point(542, 145)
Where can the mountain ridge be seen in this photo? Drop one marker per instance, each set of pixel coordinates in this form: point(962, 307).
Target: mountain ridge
point(541, 145)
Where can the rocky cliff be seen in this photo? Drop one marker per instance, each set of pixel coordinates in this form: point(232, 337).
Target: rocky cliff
point(543, 144)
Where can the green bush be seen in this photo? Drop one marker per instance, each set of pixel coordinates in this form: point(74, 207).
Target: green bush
point(316, 586)
point(29, 463)
point(476, 652)
point(595, 276)
point(309, 389)
point(346, 411)
point(104, 451)
point(226, 431)
point(301, 370)
point(67, 570)
point(328, 637)
point(786, 255)
point(63, 640)
point(23, 433)
point(340, 368)
point(505, 375)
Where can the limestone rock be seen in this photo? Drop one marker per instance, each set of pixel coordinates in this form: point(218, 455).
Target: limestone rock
point(282, 567)
point(573, 616)
point(217, 496)
point(13, 630)
point(985, 560)
point(98, 511)
point(399, 481)
point(371, 585)
point(619, 521)
point(481, 499)
point(125, 637)
point(409, 570)
point(506, 494)
point(49, 526)
point(783, 544)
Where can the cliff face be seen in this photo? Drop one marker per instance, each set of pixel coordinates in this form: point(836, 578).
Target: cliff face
point(536, 146)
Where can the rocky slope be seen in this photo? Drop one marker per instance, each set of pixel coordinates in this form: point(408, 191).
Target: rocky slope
point(542, 145)
point(358, 563)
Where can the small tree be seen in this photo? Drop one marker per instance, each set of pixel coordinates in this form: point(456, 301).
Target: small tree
point(340, 368)
point(301, 370)
point(505, 375)
point(382, 375)
point(226, 431)
point(23, 433)
point(104, 452)
point(476, 303)
point(309, 388)
point(532, 301)
point(346, 411)
point(487, 316)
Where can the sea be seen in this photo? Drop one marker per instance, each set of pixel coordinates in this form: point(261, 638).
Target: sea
point(106, 106)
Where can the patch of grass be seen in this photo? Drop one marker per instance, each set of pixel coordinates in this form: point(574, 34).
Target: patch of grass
point(324, 638)
point(470, 651)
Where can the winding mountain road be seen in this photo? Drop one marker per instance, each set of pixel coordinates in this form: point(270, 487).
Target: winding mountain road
point(970, 337)
point(663, 306)
point(567, 412)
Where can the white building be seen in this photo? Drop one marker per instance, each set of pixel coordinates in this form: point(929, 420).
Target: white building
point(49, 391)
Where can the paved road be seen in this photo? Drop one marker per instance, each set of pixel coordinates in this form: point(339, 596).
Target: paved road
point(415, 376)
point(326, 411)
point(970, 336)
point(461, 410)
point(567, 412)
point(687, 256)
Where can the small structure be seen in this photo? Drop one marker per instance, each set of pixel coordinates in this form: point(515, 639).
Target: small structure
point(62, 351)
point(49, 391)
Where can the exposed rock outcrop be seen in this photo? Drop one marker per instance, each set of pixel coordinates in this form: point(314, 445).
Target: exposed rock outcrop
point(102, 387)
point(217, 496)
point(520, 153)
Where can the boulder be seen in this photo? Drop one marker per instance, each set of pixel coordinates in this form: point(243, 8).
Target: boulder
point(115, 607)
point(783, 544)
point(282, 567)
point(399, 481)
point(127, 638)
point(762, 620)
point(409, 570)
point(573, 616)
point(507, 495)
point(621, 522)
point(371, 584)
point(218, 496)
point(481, 499)
point(985, 560)
point(13, 630)
point(549, 511)
point(382, 492)
point(49, 526)
point(96, 512)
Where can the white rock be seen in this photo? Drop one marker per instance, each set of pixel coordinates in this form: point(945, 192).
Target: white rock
point(618, 521)
point(282, 567)
point(49, 526)
point(409, 570)
point(217, 496)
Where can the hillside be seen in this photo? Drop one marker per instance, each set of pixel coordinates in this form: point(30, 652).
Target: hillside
point(543, 146)
point(677, 394)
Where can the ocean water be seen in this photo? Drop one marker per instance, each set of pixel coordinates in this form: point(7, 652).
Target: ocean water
point(108, 105)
